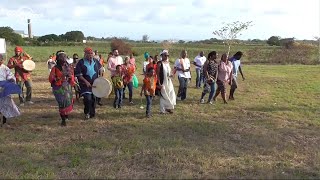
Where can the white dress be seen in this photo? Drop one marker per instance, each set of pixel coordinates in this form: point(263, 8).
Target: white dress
point(168, 96)
point(7, 106)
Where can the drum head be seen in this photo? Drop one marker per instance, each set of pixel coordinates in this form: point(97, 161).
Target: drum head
point(101, 87)
point(29, 65)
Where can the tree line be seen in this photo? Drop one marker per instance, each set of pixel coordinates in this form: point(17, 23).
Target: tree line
point(78, 36)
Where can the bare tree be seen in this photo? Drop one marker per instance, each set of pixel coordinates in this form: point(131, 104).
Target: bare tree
point(145, 38)
point(231, 31)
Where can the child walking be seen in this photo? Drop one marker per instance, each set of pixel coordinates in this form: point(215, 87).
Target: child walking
point(117, 81)
point(149, 87)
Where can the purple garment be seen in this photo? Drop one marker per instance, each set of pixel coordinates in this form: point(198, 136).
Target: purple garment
point(7, 88)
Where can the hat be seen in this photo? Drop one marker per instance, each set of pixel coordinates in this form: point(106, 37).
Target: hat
point(146, 55)
point(88, 50)
point(18, 49)
point(165, 51)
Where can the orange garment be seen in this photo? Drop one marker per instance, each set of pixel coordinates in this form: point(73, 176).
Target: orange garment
point(57, 77)
point(128, 71)
point(16, 64)
point(149, 84)
point(102, 61)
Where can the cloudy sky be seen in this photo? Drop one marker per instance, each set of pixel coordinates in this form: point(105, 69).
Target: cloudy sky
point(163, 19)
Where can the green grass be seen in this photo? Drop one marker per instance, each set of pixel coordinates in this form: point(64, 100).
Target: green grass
point(271, 130)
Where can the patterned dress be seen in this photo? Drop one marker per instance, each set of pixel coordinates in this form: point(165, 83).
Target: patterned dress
point(62, 81)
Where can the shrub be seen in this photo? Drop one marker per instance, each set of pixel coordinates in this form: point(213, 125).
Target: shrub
point(123, 48)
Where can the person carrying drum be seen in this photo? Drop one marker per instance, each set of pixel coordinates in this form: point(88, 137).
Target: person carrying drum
point(87, 70)
point(23, 77)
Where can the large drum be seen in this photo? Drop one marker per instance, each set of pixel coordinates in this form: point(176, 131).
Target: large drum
point(29, 65)
point(101, 87)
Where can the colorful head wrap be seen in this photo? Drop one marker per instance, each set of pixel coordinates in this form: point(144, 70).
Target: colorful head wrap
point(146, 55)
point(18, 49)
point(88, 50)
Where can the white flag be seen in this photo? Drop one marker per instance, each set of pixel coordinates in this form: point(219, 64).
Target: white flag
point(2, 46)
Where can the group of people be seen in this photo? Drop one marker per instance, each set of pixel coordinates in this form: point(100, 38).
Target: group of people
point(79, 74)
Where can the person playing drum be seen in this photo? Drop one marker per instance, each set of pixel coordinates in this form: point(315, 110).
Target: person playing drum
point(23, 77)
point(87, 70)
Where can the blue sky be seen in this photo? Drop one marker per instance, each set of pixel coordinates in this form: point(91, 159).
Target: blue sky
point(165, 19)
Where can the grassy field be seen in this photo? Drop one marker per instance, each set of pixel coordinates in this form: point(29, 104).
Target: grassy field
point(271, 130)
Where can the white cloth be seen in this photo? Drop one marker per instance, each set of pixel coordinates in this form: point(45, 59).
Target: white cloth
point(145, 63)
point(236, 65)
point(8, 108)
point(186, 65)
point(5, 73)
point(168, 96)
point(199, 61)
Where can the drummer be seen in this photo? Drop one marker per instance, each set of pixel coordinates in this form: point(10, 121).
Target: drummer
point(23, 77)
point(87, 70)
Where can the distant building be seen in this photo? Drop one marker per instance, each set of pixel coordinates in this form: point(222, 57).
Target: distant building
point(21, 33)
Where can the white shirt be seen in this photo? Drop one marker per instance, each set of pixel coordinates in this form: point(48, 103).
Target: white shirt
point(114, 61)
point(186, 65)
point(5, 73)
point(200, 61)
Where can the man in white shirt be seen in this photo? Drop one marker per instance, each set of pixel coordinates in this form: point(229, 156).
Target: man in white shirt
point(182, 68)
point(199, 62)
point(114, 61)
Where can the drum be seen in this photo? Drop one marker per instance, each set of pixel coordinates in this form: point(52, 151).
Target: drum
point(29, 65)
point(101, 87)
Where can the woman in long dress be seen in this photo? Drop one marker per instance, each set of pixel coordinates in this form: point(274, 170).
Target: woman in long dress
point(167, 96)
point(62, 79)
point(8, 108)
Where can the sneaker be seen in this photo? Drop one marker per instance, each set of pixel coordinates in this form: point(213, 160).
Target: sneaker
point(131, 102)
point(119, 107)
point(99, 103)
point(179, 98)
point(87, 116)
point(202, 101)
point(148, 116)
point(21, 104)
point(30, 102)
point(210, 102)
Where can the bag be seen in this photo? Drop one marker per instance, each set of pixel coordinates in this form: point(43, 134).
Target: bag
point(135, 81)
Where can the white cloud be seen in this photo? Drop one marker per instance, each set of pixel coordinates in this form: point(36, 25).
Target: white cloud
point(271, 17)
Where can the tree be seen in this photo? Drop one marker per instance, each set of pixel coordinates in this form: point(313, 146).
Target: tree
point(274, 41)
point(231, 31)
point(49, 37)
point(11, 36)
point(181, 42)
point(77, 36)
point(145, 38)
